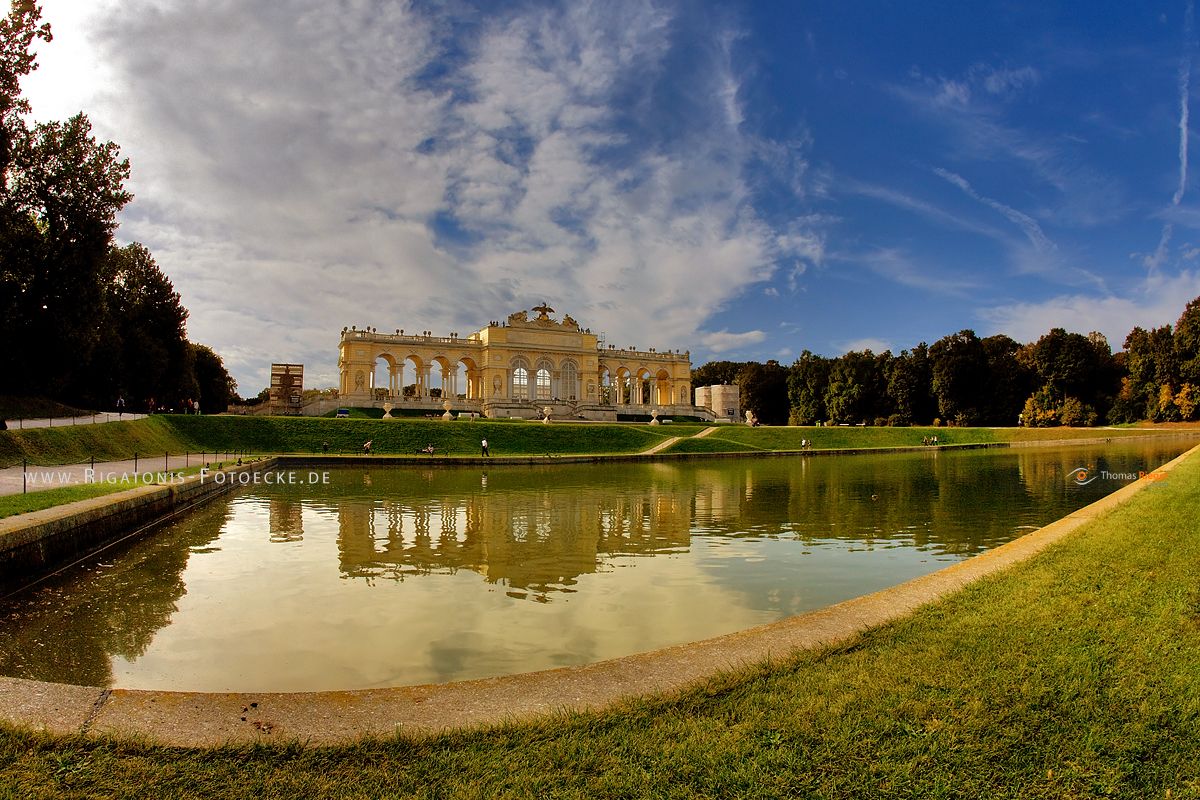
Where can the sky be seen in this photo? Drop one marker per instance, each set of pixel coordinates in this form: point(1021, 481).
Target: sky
point(743, 180)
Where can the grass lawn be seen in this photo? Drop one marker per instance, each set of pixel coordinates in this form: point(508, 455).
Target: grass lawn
point(179, 433)
point(13, 407)
point(770, 438)
point(1072, 675)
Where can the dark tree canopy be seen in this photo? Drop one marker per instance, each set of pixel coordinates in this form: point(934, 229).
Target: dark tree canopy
point(95, 321)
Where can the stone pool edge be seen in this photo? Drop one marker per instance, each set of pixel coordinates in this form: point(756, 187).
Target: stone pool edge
point(326, 718)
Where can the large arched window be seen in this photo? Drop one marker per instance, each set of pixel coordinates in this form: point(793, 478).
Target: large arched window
point(543, 384)
point(520, 384)
point(570, 381)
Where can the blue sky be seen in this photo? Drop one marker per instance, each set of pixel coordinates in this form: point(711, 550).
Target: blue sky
point(744, 180)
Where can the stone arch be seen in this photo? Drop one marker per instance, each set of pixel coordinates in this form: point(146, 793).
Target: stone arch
point(662, 388)
point(641, 386)
point(382, 384)
point(441, 378)
point(418, 386)
point(623, 385)
point(568, 381)
point(605, 385)
point(468, 378)
point(543, 380)
point(520, 377)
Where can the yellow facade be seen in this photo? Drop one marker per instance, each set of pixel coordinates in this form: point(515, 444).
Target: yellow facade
point(516, 368)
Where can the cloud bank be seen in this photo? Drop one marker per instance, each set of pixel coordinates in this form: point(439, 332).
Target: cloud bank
point(303, 168)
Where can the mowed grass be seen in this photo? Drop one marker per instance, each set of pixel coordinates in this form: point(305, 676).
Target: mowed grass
point(74, 444)
point(789, 438)
point(1072, 675)
point(179, 433)
point(409, 436)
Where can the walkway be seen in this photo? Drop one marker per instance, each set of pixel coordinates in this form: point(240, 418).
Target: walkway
point(59, 422)
point(38, 478)
point(658, 448)
point(704, 432)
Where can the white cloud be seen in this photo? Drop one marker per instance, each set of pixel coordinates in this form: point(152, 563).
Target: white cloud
point(723, 341)
point(1003, 81)
point(1158, 300)
point(868, 343)
point(1033, 231)
point(1185, 78)
point(303, 168)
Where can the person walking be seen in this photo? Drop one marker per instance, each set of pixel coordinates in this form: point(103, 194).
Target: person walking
point(484, 444)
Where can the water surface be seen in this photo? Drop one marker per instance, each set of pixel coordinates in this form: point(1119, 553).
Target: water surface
point(386, 577)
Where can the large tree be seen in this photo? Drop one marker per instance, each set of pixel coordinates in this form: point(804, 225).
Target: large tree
point(910, 387)
point(764, 391)
point(60, 193)
point(808, 379)
point(959, 365)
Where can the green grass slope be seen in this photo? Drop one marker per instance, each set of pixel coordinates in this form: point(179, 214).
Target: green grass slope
point(408, 436)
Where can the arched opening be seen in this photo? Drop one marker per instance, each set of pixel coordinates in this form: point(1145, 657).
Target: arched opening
point(441, 379)
point(605, 381)
point(542, 384)
point(569, 382)
point(467, 379)
point(623, 393)
point(662, 388)
point(641, 391)
point(519, 385)
point(383, 381)
point(414, 389)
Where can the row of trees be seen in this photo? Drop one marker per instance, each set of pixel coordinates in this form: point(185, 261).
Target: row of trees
point(1061, 379)
point(82, 320)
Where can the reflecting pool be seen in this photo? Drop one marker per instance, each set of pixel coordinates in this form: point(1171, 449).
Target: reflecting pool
point(383, 577)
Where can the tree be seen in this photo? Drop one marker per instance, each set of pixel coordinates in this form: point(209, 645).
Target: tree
point(764, 391)
point(1187, 343)
point(60, 192)
point(717, 373)
point(1151, 361)
point(910, 387)
point(146, 322)
point(808, 379)
point(959, 364)
point(856, 391)
point(1008, 383)
point(18, 31)
point(215, 388)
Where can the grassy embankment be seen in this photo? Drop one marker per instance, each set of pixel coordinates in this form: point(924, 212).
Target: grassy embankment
point(739, 438)
point(40, 499)
point(1071, 675)
point(13, 407)
point(177, 434)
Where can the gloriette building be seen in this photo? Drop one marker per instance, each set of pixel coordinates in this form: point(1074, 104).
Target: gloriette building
point(517, 368)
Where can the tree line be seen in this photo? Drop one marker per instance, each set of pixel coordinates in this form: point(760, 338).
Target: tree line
point(1061, 379)
point(83, 320)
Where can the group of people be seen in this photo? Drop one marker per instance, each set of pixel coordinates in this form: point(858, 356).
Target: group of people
point(930, 441)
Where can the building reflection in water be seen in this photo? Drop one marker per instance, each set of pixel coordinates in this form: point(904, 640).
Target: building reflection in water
point(532, 543)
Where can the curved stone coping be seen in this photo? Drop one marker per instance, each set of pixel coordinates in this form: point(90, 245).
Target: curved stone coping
point(324, 718)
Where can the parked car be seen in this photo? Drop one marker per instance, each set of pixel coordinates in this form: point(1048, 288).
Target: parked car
point(343, 413)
